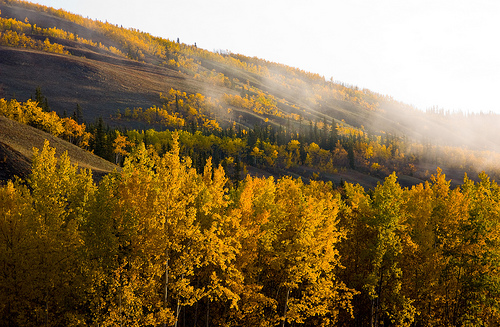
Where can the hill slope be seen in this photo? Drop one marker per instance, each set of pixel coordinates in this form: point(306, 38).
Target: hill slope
point(143, 66)
point(102, 81)
point(16, 149)
point(101, 85)
point(107, 69)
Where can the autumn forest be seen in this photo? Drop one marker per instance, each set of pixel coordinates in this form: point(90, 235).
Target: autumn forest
point(243, 192)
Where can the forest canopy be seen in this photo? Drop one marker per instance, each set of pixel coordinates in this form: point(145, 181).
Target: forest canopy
point(161, 243)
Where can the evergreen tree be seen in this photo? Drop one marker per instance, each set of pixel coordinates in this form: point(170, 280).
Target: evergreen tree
point(350, 154)
point(42, 101)
point(77, 114)
point(99, 140)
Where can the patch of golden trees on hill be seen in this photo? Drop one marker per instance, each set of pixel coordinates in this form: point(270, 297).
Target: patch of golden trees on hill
point(14, 39)
point(259, 103)
point(18, 34)
point(178, 110)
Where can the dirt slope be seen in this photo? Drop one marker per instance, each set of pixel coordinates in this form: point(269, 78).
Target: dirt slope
point(101, 85)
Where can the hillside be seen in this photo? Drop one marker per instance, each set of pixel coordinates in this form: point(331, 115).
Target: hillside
point(103, 82)
point(134, 80)
point(16, 149)
point(100, 85)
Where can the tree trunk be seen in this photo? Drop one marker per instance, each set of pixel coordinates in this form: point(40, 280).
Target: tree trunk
point(286, 307)
point(208, 310)
point(166, 288)
point(196, 313)
point(376, 303)
point(120, 307)
point(178, 310)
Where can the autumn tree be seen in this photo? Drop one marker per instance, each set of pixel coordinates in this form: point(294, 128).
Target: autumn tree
point(474, 261)
point(43, 257)
point(251, 207)
point(15, 247)
point(120, 145)
point(302, 254)
point(373, 252)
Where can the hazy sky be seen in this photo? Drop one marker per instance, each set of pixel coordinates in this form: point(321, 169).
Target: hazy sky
point(422, 52)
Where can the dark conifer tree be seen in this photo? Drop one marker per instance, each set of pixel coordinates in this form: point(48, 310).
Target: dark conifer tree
point(350, 154)
point(77, 114)
point(99, 143)
point(43, 102)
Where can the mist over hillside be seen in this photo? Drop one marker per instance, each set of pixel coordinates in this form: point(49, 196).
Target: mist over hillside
point(119, 74)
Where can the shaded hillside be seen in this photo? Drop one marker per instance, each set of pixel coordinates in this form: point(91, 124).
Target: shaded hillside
point(12, 163)
point(101, 85)
point(17, 142)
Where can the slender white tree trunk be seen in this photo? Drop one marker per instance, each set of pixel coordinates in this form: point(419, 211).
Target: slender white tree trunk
point(286, 306)
point(178, 312)
point(166, 288)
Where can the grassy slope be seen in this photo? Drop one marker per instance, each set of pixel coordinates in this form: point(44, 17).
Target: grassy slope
point(102, 83)
point(18, 141)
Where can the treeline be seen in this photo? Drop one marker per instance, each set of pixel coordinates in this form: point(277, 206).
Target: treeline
point(160, 243)
point(327, 146)
point(279, 150)
point(318, 147)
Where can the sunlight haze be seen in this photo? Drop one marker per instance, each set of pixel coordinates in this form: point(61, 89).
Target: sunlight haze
point(424, 53)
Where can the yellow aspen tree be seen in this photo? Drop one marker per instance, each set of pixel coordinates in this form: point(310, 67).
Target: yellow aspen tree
point(423, 259)
point(449, 212)
point(179, 187)
point(251, 209)
point(355, 212)
point(60, 197)
point(372, 253)
point(71, 130)
point(102, 234)
point(477, 257)
point(143, 241)
point(120, 145)
point(384, 283)
point(217, 272)
point(304, 259)
point(124, 223)
point(15, 210)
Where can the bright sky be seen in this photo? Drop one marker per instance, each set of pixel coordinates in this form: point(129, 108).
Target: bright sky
point(426, 53)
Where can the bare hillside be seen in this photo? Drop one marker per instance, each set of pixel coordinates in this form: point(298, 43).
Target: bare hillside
point(101, 85)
